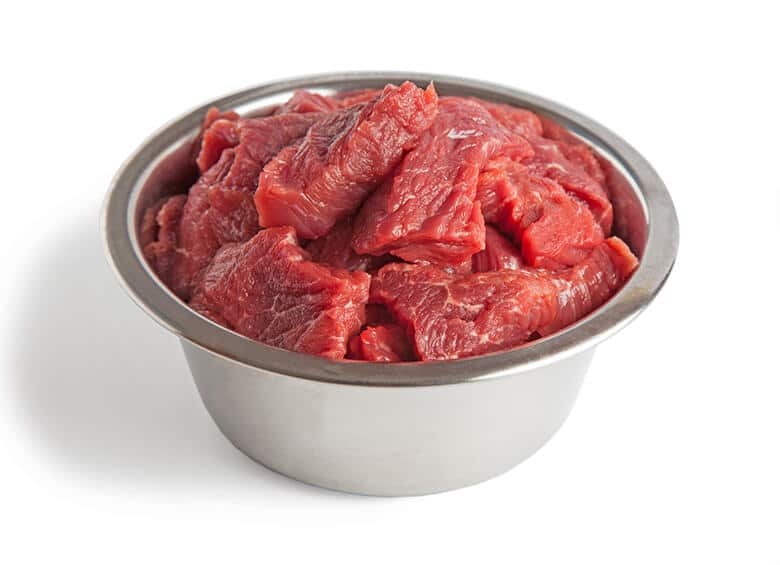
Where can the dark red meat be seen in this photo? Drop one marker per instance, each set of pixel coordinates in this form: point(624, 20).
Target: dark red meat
point(552, 229)
point(427, 210)
point(453, 316)
point(267, 289)
point(326, 177)
point(158, 235)
point(499, 253)
point(378, 314)
point(381, 344)
point(196, 242)
point(334, 249)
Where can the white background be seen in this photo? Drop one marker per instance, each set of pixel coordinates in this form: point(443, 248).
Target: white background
point(672, 453)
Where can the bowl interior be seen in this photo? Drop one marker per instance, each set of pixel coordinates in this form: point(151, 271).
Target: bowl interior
point(644, 218)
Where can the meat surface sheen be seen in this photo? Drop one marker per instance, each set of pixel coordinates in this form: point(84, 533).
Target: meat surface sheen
point(267, 289)
point(453, 316)
point(553, 229)
point(427, 212)
point(326, 177)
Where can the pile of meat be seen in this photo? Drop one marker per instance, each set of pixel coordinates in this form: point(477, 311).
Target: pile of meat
point(391, 225)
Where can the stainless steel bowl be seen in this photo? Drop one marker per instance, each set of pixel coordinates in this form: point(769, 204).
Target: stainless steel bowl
point(387, 429)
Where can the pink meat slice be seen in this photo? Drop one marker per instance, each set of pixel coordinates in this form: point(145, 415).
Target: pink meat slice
point(499, 254)
point(342, 158)
point(426, 212)
point(268, 290)
point(553, 229)
point(386, 343)
point(303, 101)
point(453, 316)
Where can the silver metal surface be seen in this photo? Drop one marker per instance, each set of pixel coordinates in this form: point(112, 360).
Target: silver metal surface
point(389, 429)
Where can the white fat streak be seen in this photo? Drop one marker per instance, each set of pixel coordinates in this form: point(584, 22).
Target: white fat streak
point(463, 133)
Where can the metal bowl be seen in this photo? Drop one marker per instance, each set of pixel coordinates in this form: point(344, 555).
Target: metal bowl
point(387, 429)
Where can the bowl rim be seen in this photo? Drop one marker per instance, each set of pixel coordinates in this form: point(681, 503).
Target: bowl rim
point(124, 254)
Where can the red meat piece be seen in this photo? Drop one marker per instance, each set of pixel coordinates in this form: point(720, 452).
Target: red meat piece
point(341, 159)
point(212, 115)
point(196, 242)
point(551, 161)
point(454, 316)
point(259, 138)
point(499, 253)
point(303, 101)
point(575, 150)
point(427, 211)
point(267, 289)
point(158, 234)
point(334, 249)
point(553, 229)
point(381, 344)
point(220, 135)
point(220, 207)
point(518, 120)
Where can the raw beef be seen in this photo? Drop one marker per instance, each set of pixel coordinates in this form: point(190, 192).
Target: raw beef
point(452, 316)
point(431, 228)
point(334, 249)
point(499, 253)
point(212, 115)
point(267, 289)
point(158, 234)
point(427, 210)
point(220, 208)
point(303, 101)
point(326, 177)
point(381, 344)
point(550, 160)
point(196, 242)
point(552, 229)
point(518, 120)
